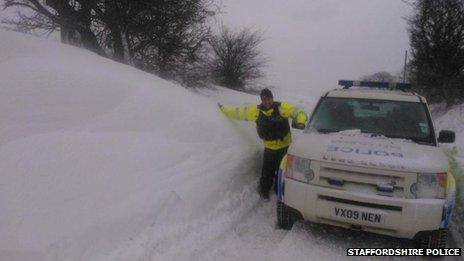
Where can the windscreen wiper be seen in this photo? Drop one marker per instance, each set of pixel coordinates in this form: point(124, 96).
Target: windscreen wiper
point(413, 139)
point(418, 141)
point(327, 130)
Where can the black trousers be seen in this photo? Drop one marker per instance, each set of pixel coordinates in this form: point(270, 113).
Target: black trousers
point(271, 162)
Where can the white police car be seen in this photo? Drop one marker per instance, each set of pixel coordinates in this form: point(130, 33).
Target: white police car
point(370, 160)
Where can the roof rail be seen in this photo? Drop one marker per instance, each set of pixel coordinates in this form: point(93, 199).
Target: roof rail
point(383, 85)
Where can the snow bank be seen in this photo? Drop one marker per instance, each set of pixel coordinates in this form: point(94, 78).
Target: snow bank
point(453, 119)
point(93, 152)
point(100, 161)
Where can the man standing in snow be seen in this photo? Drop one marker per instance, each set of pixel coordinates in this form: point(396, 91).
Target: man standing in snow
point(273, 128)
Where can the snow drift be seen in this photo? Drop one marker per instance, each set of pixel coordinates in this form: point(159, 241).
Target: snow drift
point(100, 161)
point(93, 152)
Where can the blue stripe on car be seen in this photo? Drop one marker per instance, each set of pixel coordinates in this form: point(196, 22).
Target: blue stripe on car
point(280, 185)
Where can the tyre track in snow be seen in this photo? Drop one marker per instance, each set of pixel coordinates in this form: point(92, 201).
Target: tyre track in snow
point(234, 242)
point(256, 236)
point(178, 231)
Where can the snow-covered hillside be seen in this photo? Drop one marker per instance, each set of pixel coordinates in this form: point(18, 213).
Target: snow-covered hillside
point(93, 154)
point(100, 161)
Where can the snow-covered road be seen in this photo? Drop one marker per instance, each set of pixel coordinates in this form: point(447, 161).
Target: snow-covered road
point(100, 161)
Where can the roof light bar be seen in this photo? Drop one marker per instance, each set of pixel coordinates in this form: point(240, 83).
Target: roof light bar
point(388, 85)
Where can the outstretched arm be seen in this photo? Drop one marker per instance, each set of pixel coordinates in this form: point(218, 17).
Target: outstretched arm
point(288, 110)
point(245, 113)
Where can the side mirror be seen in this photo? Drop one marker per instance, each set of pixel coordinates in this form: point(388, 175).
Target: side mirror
point(446, 136)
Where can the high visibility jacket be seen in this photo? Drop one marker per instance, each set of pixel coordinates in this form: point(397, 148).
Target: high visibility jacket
point(272, 127)
point(252, 112)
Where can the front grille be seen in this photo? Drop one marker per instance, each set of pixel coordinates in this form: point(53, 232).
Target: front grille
point(365, 180)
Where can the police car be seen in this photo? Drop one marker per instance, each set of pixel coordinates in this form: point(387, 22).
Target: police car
point(369, 159)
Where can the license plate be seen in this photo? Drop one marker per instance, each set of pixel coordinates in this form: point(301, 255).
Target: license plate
point(358, 215)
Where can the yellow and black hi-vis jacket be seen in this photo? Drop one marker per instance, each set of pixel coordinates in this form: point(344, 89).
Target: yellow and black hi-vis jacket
point(275, 118)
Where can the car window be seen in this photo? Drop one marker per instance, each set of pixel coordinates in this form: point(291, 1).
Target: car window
point(396, 119)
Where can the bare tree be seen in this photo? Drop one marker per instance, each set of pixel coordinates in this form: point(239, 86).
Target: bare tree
point(167, 38)
point(437, 42)
point(73, 18)
point(236, 58)
point(380, 77)
point(33, 23)
point(171, 36)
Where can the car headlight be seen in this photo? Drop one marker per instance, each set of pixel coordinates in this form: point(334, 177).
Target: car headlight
point(430, 185)
point(299, 169)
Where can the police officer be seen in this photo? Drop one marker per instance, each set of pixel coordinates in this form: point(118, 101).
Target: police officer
point(272, 125)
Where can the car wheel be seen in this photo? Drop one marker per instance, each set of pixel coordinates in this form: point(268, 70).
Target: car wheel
point(285, 218)
point(434, 239)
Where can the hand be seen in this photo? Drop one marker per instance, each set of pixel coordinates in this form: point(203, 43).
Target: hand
point(220, 106)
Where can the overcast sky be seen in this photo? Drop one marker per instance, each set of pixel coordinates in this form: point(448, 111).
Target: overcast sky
point(314, 43)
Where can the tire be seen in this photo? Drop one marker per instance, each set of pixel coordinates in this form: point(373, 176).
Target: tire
point(285, 217)
point(434, 239)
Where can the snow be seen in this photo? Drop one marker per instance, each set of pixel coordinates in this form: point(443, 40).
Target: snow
point(100, 161)
point(92, 152)
point(451, 119)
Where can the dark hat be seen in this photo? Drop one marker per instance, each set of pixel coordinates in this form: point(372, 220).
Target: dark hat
point(266, 93)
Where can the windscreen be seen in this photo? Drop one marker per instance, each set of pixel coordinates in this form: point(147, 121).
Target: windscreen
point(395, 119)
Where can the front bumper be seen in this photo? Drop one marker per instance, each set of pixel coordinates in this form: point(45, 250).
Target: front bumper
point(398, 217)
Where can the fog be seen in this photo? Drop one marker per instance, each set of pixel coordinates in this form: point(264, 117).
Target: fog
point(314, 43)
